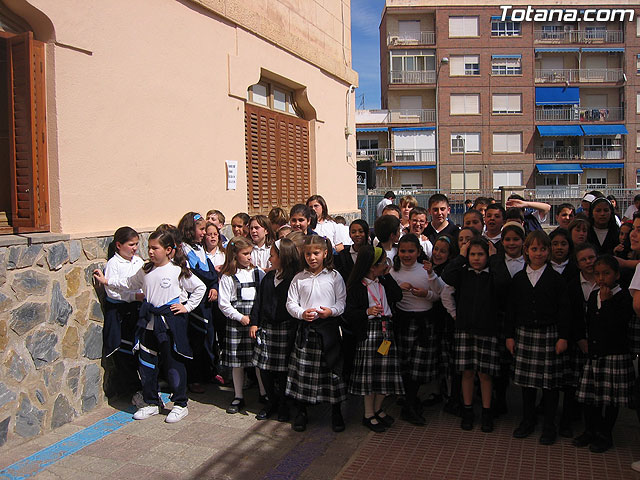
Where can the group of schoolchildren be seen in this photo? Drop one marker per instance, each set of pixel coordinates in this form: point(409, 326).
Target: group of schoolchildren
point(413, 301)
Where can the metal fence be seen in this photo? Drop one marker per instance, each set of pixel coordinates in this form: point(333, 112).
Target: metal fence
point(368, 201)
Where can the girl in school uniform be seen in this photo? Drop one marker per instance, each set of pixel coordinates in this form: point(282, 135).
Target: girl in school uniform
point(623, 249)
point(240, 225)
point(474, 219)
point(263, 237)
point(326, 226)
point(504, 265)
point(239, 283)
point(562, 258)
point(213, 246)
point(607, 379)
point(414, 324)
point(162, 326)
point(537, 328)
point(471, 298)
point(370, 293)
point(346, 258)
point(300, 219)
point(317, 297)
point(273, 328)
point(121, 309)
point(579, 230)
point(604, 231)
point(200, 329)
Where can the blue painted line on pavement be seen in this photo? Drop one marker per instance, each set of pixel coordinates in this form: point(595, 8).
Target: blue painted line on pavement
point(34, 464)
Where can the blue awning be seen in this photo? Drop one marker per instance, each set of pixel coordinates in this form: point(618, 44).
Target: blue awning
point(413, 167)
point(557, 50)
point(515, 55)
point(558, 168)
point(603, 165)
point(560, 131)
point(499, 17)
point(378, 129)
point(412, 129)
point(594, 130)
point(557, 96)
point(621, 50)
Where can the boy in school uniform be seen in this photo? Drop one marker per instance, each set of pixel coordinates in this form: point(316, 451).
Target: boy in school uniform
point(440, 210)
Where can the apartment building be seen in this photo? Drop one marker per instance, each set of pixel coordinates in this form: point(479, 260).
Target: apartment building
point(474, 100)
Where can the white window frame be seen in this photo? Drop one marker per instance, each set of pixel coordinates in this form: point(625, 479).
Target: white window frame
point(512, 140)
point(508, 102)
point(468, 66)
point(470, 103)
point(463, 26)
point(506, 66)
point(507, 28)
point(458, 147)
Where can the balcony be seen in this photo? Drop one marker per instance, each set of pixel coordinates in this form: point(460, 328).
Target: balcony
point(390, 155)
point(580, 114)
point(584, 75)
point(411, 38)
point(579, 36)
point(412, 77)
point(571, 191)
point(588, 152)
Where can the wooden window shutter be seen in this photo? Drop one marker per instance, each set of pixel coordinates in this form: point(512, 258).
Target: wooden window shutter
point(277, 156)
point(28, 139)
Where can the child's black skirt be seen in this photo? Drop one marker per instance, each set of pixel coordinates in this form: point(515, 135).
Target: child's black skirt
point(607, 380)
point(309, 378)
point(476, 352)
point(238, 345)
point(273, 346)
point(373, 372)
point(536, 363)
point(417, 346)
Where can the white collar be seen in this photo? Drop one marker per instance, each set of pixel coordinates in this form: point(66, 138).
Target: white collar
point(584, 280)
point(563, 264)
point(614, 291)
point(519, 259)
point(368, 281)
point(486, 269)
point(531, 271)
point(263, 247)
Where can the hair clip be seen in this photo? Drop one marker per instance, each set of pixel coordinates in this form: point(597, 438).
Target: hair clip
point(277, 244)
point(445, 238)
point(197, 217)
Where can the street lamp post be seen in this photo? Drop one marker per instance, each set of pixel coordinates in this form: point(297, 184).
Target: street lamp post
point(460, 138)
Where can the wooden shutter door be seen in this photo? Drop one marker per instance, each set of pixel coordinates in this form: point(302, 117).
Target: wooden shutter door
point(28, 140)
point(277, 155)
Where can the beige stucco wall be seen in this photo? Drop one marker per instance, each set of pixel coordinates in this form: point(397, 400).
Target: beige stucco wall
point(146, 102)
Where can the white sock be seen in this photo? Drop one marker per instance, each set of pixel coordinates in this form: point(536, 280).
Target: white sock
point(238, 381)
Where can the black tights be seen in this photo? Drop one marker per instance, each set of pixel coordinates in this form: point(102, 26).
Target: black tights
point(411, 388)
point(274, 384)
point(597, 422)
point(550, 400)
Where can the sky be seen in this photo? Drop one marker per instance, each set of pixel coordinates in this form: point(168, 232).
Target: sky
point(365, 39)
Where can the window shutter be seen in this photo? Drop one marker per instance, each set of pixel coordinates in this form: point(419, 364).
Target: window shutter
point(28, 140)
point(277, 156)
point(456, 65)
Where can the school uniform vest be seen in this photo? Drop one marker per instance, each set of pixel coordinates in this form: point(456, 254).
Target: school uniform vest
point(244, 306)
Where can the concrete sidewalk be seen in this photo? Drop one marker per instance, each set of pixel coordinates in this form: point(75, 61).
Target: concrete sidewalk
point(210, 444)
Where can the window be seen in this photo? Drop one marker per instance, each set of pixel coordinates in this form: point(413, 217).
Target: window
point(464, 65)
point(467, 143)
point(272, 96)
point(506, 65)
point(506, 179)
point(637, 178)
point(638, 140)
point(414, 145)
point(366, 143)
point(472, 178)
point(409, 31)
point(411, 178)
point(596, 177)
point(507, 142)
point(595, 32)
point(552, 32)
point(463, 27)
point(505, 29)
point(638, 102)
point(462, 104)
point(506, 103)
point(403, 62)
point(638, 64)
point(638, 26)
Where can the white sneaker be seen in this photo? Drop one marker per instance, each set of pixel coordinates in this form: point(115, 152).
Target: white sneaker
point(176, 414)
point(636, 466)
point(146, 412)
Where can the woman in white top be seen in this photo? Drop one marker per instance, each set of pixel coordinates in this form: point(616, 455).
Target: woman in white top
point(326, 227)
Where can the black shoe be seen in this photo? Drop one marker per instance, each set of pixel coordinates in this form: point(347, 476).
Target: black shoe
point(236, 405)
point(486, 420)
point(408, 414)
point(453, 407)
point(467, 418)
point(387, 419)
point(548, 436)
point(374, 427)
point(600, 444)
point(583, 439)
point(283, 413)
point(300, 422)
point(263, 399)
point(525, 429)
point(432, 399)
point(564, 428)
point(266, 412)
point(337, 422)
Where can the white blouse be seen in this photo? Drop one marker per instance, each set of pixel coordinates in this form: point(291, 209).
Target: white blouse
point(377, 296)
point(119, 268)
point(217, 258)
point(328, 230)
point(308, 290)
point(418, 277)
point(228, 291)
point(260, 256)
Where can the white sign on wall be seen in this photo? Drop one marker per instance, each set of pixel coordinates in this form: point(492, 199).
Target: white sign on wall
point(232, 174)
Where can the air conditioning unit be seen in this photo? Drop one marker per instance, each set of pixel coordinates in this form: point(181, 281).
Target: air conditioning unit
point(393, 40)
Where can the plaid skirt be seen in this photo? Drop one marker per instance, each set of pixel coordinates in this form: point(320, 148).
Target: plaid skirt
point(575, 364)
point(634, 335)
point(445, 347)
point(417, 346)
point(238, 345)
point(536, 363)
point(372, 372)
point(309, 379)
point(273, 346)
point(476, 352)
point(607, 380)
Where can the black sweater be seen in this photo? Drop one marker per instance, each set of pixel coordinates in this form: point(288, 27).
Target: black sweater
point(611, 241)
point(344, 262)
point(607, 327)
point(355, 313)
point(478, 308)
point(543, 305)
point(270, 303)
